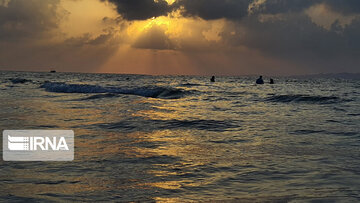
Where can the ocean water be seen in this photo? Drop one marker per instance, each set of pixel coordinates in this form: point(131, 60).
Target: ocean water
point(183, 138)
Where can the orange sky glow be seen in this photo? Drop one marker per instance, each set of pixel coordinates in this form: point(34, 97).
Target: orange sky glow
point(94, 36)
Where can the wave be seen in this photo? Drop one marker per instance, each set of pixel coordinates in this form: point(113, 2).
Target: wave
point(306, 132)
point(100, 96)
point(151, 125)
point(19, 80)
point(189, 85)
point(304, 99)
point(72, 88)
point(149, 91)
point(325, 132)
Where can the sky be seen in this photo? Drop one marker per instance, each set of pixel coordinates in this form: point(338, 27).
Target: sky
point(182, 37)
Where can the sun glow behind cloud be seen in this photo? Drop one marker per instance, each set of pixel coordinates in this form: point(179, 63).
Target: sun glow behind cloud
point(170, 1)
point(180, 37)
point(171, 44)
point(157, 45)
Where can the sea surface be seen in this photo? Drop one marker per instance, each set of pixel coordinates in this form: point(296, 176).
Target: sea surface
point(183, 138)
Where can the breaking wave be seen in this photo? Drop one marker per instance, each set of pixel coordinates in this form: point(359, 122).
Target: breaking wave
point(150, 91)
point(304, 99)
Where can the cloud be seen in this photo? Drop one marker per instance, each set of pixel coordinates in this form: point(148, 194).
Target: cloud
point(153, 38)
point(31, 39)
point(214, 9)
point(228, 9)
point(323, 15)
point(205, 9)
point(346, 7)
point(233, 36)
point(283, 6)
point(141, 9)
point(295, 38)
point(28, 19)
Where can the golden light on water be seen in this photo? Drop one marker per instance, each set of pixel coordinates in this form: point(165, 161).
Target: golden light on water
point(154, 133)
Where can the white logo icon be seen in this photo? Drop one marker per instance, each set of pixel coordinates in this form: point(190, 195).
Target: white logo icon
point(18, 143)
point(38, 145)
point(35, 143)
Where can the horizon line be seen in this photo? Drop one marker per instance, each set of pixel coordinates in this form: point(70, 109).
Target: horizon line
point(217, 75)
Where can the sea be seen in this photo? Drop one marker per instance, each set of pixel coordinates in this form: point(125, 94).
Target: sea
point(143, 138)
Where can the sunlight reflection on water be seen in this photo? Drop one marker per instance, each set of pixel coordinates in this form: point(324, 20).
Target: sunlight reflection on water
point(222, 141)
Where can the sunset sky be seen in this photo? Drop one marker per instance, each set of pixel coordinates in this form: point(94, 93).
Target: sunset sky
point(202, 37)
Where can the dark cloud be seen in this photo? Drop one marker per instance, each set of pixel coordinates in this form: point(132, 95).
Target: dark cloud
point(24, 19)
point(284, 6)
point(28, 29)
point(27, 32)
point(295, 38)
point(141, 9)
point(206, 9)
point(229, 9)
point(344, 6)
point(351, 38)
point(214, 9)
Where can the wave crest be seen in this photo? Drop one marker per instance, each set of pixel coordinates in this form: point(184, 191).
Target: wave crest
point(19, 80)
point(151, 91)
point(303, 98)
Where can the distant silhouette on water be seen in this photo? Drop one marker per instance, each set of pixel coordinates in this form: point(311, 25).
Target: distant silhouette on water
point(260, 80)
point(271, 81)
point(212, 79)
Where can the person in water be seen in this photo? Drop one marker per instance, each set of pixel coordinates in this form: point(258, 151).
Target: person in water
point(212, 79)
point(260, 80)
point(271, 81)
